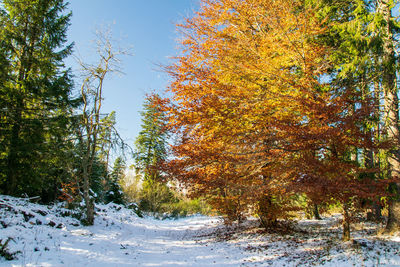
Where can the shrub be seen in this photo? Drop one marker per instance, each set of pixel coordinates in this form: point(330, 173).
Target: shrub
point(4, 252)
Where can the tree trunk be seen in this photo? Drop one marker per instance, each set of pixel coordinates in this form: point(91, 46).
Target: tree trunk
point(377, 211)
point(376, 214)
point(266, 214)
point(12, 160)
point(393, 224)
point(89, 206)
point(316, 212)
point(391, 104)
point(86, 175)
point(14, 150)
point(391, 114)
point(346, 222)
point(373, 157)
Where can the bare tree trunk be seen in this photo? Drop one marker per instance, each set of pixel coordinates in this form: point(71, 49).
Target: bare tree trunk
point(371, 157)
point(85, 163)
point(89, 211)
point(346, 222)
point(377, 207)
point(391, 114)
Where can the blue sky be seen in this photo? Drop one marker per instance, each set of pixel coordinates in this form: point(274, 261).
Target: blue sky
point(146, 25)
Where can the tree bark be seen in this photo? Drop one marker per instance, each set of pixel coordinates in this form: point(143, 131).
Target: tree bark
point(346, 222)
point(316, 212)
point(391, 114)
point(92, 94)
point(393, 224)
point(12, 160)
point(89, 211)
point(377, 211)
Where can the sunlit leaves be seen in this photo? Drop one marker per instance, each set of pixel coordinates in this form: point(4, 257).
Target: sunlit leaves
point(255, 117)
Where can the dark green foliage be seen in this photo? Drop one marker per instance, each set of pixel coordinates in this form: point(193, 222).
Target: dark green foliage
point(114, 191)
point(150, 150)
point(35, 96)
point(151, 143)
point(98, 180)
point(135, 208)
point(155, 196)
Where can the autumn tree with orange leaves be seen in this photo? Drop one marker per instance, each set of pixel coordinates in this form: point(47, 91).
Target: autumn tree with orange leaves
point(256, 124)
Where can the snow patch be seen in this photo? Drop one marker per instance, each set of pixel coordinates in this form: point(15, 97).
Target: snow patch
point(120, 238)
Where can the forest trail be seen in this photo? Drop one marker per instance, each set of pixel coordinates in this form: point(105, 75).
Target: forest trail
point(148, 242)
point(51, 236)
point(118, 238)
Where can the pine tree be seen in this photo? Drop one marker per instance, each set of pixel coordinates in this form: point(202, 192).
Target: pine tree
point(150, 152)
point(35, 93)
point(363, 39)
point(150, 145)
point(114, 190)
point(106, 137)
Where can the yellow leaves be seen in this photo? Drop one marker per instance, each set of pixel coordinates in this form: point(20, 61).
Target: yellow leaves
point(246, 99)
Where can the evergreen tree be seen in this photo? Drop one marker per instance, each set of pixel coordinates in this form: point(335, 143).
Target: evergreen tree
point(114, 190)
point(106, 137)
point(35, 94)
point(363, 40)
point(388, 28)
point(150, 151)
point(151, 143)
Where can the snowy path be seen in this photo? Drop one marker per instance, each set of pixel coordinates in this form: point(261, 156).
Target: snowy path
point(143, 243)
point(43, 237)
point(118, 238)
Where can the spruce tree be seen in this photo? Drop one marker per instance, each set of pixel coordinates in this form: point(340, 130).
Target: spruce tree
point(150, 152)
point(363, 40)
point(114, 191)
point(150, 145)
point(35, 94)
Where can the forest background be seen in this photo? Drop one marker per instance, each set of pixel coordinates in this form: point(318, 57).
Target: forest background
point(271, 104)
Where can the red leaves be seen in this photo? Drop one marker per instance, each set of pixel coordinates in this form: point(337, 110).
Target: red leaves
point(252, 116)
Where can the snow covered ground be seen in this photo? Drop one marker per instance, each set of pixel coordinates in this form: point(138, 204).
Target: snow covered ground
point(42, 237)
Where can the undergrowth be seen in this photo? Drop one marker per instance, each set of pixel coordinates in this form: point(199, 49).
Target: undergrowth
point(4, 251)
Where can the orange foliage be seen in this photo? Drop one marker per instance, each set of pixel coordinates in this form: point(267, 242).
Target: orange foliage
point(253, 116)
point(69, 192)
